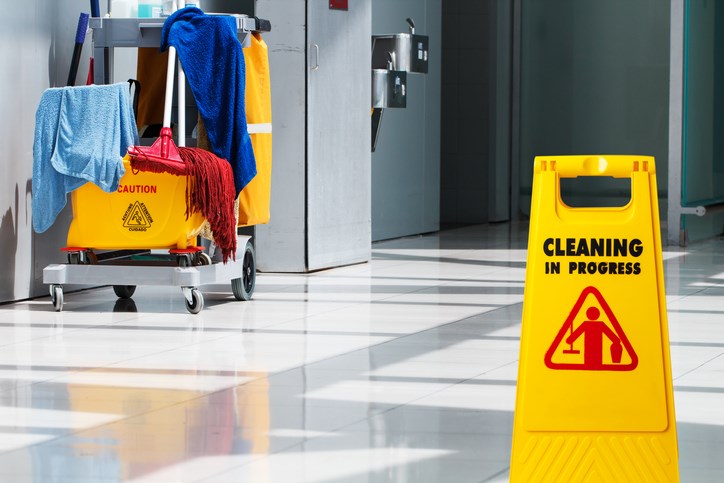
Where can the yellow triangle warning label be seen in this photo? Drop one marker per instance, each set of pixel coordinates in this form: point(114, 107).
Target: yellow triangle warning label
point(591, 338)
point(137, 217)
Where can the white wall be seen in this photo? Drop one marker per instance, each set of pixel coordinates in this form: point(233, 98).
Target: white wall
point(35, 50)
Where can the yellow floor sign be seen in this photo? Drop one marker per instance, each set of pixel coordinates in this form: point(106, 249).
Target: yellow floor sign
point(594, 399)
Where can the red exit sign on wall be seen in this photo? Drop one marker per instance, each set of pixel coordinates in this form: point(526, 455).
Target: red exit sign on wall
point(338, 4)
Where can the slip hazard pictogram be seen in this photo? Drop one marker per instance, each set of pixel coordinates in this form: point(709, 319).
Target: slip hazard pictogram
point(137, 217)
point(591, 338)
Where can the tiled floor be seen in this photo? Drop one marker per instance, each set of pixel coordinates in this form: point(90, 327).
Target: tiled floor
point(400, 370)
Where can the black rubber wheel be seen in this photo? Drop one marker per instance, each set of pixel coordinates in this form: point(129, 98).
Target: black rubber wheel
point(243, 287)
point(124, 291)
point(197, 303)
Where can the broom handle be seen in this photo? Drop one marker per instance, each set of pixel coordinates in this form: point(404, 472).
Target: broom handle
point(181, 96)
point(169, 87)
point(78, 48)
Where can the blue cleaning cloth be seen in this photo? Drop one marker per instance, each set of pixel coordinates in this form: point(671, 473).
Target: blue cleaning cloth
point(211, 56)
point(81, 135)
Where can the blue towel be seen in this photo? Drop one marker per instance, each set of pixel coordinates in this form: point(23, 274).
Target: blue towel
point(211, 56)
point(81, 135)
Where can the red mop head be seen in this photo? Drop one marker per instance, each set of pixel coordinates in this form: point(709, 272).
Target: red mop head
point(161, 157)
point(209, 187)
point(211, 191)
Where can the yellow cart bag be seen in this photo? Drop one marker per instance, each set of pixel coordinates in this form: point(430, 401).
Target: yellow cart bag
point(147, 211)
point(254, 199)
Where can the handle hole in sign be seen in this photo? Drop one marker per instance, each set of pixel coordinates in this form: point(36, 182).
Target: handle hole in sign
point(595, 191)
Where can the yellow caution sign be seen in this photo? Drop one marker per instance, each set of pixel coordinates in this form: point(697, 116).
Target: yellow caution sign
point(594, 398)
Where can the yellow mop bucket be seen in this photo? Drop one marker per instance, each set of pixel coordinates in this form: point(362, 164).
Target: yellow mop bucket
point(147, 211)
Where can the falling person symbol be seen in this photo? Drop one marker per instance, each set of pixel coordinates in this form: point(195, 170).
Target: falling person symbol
point(593, 331)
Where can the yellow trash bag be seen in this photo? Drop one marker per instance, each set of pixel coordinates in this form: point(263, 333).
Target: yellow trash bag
point(254, 199)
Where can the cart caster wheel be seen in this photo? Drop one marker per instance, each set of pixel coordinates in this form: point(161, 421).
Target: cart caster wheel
point(243, 287)
point(82, 257)
point(56, 296)
point(197, 302)
point(124, 291)
point(204, 259)
point(183, 260)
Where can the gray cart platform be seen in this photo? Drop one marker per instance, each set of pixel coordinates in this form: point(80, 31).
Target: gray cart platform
point(188, 271)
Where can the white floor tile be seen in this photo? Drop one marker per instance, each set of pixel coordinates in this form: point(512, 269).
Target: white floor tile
point(402, 369)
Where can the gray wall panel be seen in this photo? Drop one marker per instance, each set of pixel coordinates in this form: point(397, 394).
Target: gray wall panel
point(598, 87)
point(338, 158)
point(320, 175)
point(281, 244)
point(406, 163)
point(476, 111)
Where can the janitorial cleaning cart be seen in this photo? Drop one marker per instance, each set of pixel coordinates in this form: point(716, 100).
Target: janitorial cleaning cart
point(144, 232)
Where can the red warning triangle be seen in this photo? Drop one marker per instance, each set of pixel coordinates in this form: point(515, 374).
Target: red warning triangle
point(593, 345)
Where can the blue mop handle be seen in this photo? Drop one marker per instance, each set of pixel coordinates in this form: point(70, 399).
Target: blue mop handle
point(79, 39)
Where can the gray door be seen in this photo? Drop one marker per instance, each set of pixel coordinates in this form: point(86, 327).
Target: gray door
point(338, 134)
